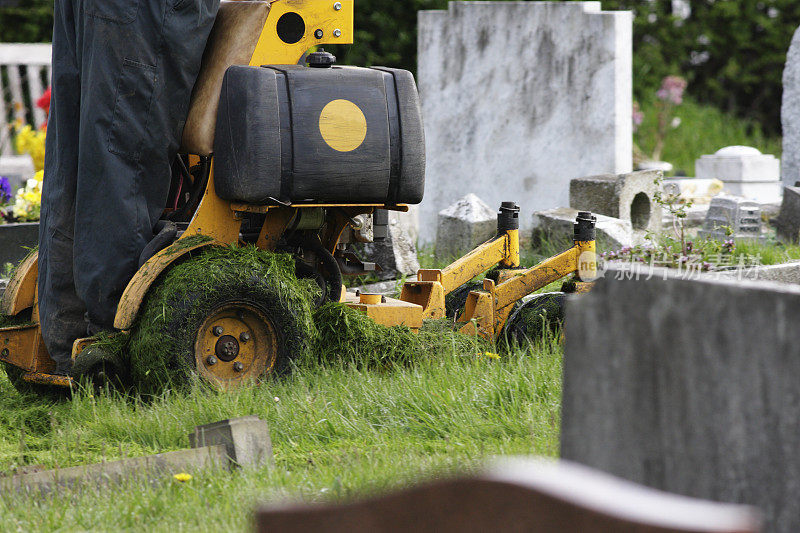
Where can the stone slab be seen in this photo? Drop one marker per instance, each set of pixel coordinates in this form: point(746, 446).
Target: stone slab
point(783, 273)
point(16, 241)
point(517, 494)
point(625, 196)
point(739, 163)
point(557, 224)
point(115, 471)
point(688, 386)
point(519, 98)
point(759, 191)
point(790, 115)
point(246, 440)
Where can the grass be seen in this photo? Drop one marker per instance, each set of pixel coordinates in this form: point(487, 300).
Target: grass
point(338, 432)
point(703, 130)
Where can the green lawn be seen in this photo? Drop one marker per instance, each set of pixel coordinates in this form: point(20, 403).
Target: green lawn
point(703, 130)
point(338, 432)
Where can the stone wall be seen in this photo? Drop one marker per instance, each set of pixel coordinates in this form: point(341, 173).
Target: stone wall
point(520, 97)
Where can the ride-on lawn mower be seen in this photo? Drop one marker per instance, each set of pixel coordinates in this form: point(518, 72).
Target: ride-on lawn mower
point(290, 158)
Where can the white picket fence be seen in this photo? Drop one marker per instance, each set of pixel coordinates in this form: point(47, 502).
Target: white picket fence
point(24, 76)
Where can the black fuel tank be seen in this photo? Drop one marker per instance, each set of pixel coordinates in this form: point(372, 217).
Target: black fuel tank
point(319, 135)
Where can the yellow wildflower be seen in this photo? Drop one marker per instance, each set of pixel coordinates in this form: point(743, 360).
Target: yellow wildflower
point(491, 355)
point(183, 477)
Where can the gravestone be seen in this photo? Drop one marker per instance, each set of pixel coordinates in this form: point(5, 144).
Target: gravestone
point(516, 494)
point(557, 225)
point(688, 386)
point(744, 171)
point(630, 197)
point(742, 217)
point(397, 253)
point(18, 169)
point(463, 226)
point(519, 98)
point(787, 223)
point(790, 114)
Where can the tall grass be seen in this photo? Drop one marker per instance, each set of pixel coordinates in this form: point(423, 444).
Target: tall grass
point(338, 431)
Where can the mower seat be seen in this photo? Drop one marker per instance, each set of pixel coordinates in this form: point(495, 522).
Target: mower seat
point(232, 41)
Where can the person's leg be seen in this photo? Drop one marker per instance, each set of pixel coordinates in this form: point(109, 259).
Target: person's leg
point(140, 60)
point(61, 311)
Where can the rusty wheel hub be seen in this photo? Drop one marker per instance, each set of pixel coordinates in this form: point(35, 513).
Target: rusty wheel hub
point(235, 344)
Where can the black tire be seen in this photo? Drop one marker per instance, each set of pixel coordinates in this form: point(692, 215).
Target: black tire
point(165, 351)
point(535, 319)
point(101, 369)
point(455, 301)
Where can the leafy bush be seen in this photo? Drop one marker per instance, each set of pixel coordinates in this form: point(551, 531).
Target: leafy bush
point(731, 53)
point(26, 21)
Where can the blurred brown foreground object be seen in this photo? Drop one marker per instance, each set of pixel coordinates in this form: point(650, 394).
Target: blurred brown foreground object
point(519, 495)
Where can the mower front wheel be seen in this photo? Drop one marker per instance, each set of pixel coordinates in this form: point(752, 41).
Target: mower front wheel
point(232, 328)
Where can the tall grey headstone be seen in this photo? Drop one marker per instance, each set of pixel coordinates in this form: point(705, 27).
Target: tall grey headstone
point(521, 97)
point(790, 114)
point(688, 386)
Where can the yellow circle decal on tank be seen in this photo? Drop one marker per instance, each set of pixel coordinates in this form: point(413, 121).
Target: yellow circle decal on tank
point(343, 125)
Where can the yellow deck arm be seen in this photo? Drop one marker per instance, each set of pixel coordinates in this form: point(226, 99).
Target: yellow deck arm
point(486, 311)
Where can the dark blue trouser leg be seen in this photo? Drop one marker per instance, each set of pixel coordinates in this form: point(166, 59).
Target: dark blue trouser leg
point(123, 72)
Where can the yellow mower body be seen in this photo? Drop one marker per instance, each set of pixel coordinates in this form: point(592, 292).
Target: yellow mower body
point(220, 221)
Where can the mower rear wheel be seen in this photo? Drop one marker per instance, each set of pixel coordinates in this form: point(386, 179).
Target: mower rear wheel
point(535, 319)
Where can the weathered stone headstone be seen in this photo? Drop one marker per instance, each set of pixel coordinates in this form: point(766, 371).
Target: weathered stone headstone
point(790, 114)
point(557, 225)
point(688, 386)
point(517, 494)
point(17, 168)
point(397, 254)
point(626, 196)
point(463, 226)
point(787, 223)
point(519, 98)
point(744, 171)
point(742, 217)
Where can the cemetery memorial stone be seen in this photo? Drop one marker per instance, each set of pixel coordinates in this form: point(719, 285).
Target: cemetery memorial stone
point(519, 98)
point(790, 114)
point(625, 196)
point(17, 168)
point(787, 223)
point(557, 226)
point(744, 171)
point(517, 494)
point(464, 225)
point(732, 217)
point(688, 384)
point(396, 253)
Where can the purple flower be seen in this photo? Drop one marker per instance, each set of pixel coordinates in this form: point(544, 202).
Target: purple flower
point(672, 88)
point(5, 190)
point(638, 116)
